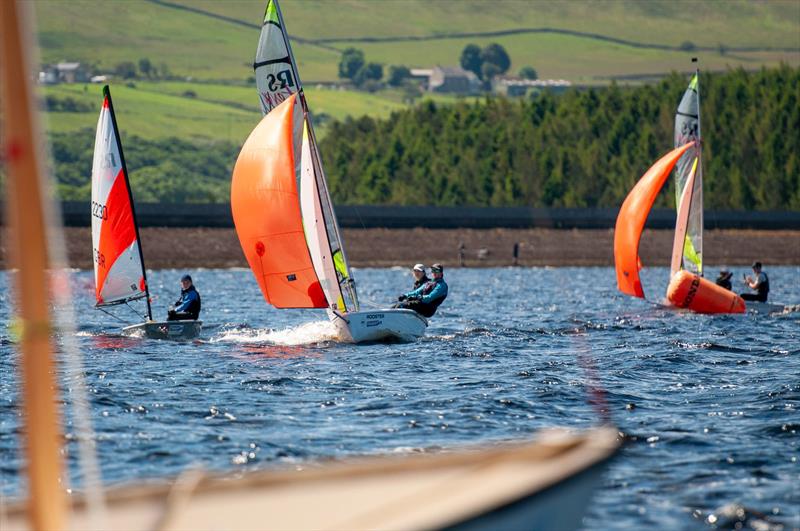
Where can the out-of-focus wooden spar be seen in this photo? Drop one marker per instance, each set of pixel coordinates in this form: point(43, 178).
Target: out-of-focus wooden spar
point(29, 255)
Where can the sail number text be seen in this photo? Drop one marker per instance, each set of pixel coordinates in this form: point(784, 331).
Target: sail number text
point(99, 211)
point(99, 258)
point(281, 80)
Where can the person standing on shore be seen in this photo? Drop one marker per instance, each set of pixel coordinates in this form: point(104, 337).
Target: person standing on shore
point(420, 277)
point(426, 299)
point(760, 283)
point(187, 307)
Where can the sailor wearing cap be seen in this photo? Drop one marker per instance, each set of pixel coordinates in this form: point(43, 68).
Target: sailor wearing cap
point(426, 299)
point(188, 305)
point(724, 279)
point(420, 278)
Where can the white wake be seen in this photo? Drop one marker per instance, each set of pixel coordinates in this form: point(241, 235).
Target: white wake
point(304, 334)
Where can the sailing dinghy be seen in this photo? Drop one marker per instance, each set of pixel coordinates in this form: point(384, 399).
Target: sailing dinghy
point(544, 483)
point(119, 273)
point(283, 212)
point(687, 288)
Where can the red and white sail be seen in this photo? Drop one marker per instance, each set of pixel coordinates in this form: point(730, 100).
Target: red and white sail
point(118, 265)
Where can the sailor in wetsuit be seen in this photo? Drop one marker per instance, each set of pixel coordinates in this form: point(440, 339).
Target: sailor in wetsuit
point(420, 278)
point(427, 298)
point(188, 306)
point(759, 282)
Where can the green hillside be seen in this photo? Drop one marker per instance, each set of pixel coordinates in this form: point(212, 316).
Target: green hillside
point(203, 111)
point(593, 40)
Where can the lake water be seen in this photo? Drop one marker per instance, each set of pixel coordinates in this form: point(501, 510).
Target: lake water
point(710, 404)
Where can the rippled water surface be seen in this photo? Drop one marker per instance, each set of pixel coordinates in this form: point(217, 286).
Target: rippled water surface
point(710, 403)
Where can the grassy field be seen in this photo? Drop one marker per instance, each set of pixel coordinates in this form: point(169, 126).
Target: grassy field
point(210, 41)
point(214, 112)
point(197, 42)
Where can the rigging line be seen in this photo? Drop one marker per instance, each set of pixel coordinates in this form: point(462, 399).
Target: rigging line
point(134, 311)
point(370, 303)
point(111, 314)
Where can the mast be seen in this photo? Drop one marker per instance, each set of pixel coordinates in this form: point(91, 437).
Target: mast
point(687, 249)
point(698, 171)
point(31, 259)
point(107, 94)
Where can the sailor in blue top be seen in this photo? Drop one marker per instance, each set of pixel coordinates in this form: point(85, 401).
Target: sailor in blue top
point(426, 299)
point(188, 306)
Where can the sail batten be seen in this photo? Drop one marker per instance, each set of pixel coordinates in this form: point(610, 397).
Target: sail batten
point(119, 270)
point(687, 250)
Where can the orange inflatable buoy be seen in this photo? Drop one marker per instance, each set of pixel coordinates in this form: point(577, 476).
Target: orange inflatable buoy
point(702, 296)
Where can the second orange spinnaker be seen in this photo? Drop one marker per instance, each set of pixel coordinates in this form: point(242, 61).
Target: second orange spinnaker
point(631, 220)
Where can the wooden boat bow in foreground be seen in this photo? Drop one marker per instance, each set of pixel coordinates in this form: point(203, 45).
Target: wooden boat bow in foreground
point(542, 484)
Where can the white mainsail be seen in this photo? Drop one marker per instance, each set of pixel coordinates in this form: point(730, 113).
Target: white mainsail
point(277, 79)
point(687, 251)
point(118, 264)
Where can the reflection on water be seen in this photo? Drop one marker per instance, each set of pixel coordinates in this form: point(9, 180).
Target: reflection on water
point(710, 403)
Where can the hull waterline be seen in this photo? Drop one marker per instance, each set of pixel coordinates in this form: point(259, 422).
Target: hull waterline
point(379, 325)
point(174, 330)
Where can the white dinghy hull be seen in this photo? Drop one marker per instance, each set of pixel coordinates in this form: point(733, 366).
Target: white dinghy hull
point(379, 325)
point(771, 308)
point(175, 330)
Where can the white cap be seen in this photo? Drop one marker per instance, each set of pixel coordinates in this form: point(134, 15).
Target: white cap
point(419, 267)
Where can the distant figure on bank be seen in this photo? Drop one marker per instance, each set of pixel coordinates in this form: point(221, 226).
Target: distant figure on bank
point(188, 306)
point(420, 277)
point(759, 283)
point(427, 298)
point(724, 279)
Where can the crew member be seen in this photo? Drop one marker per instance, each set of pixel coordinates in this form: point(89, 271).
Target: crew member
point(724, 279)
point(427, 298)
point(759, 283)
point(188, 306)
point(420, 278)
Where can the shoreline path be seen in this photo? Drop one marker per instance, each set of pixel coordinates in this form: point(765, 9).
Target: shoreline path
point(219, 248)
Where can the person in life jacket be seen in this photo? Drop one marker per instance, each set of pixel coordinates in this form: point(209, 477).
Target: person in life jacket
point(420, 277)
point(724, 279)
point(427, 298)
point(760, 283)
point(188, 306)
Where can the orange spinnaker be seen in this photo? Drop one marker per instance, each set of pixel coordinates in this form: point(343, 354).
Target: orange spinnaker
point(632, 217)
point(687, 290)
point(266, 212)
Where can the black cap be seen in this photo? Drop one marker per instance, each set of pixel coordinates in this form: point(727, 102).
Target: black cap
point(757, 265)
point(186, 277)
point(437, 268)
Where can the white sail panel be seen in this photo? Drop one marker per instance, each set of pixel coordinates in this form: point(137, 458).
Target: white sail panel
point(315, 230)
point(689, 172)
point(681, 224)
point(343, 274)
point(276, 77)
point(118, 270)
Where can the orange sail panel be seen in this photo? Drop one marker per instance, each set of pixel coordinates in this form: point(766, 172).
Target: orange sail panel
point(266, 211)
point(632, 217)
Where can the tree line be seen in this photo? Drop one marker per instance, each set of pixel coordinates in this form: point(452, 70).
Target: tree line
point(582, 148)
point(169, 170)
